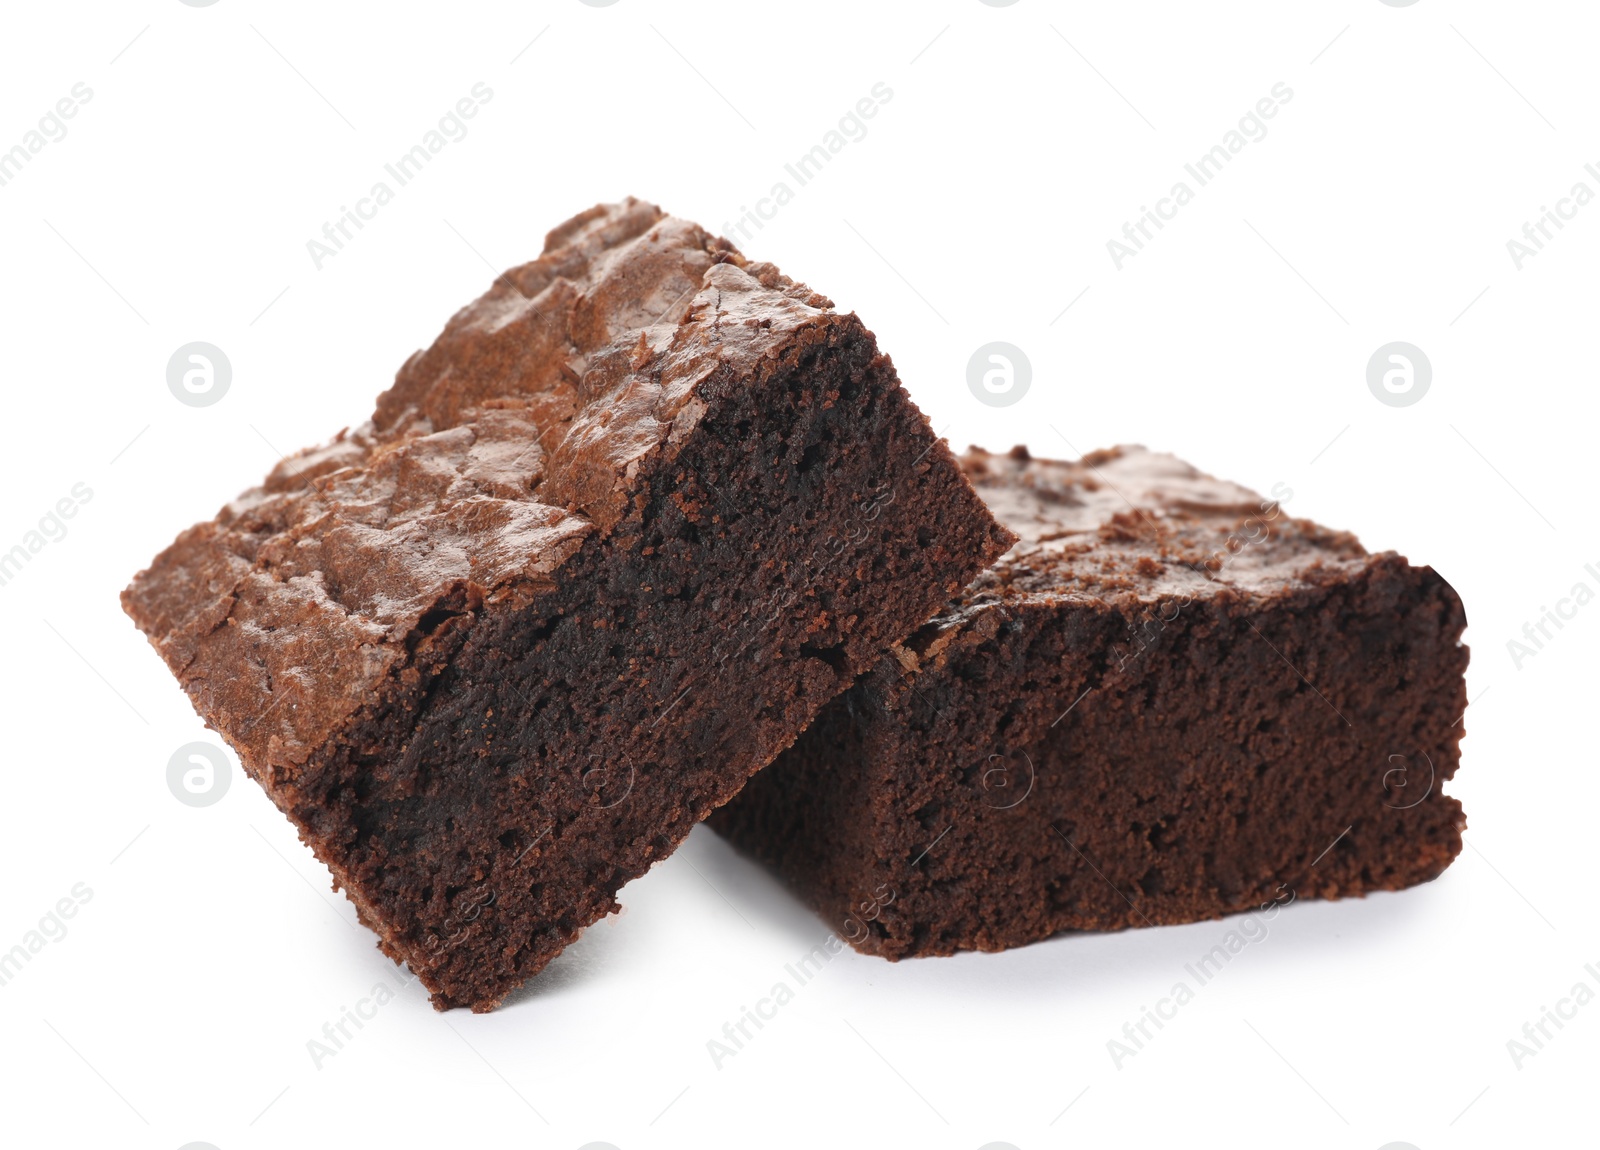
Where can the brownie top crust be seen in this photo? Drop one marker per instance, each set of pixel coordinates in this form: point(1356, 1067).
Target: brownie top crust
point(1129, 530)
point(1127, 522)
point(495, 454)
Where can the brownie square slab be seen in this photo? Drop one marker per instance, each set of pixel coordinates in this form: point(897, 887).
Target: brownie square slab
point(1169, 702)
point(602, 551)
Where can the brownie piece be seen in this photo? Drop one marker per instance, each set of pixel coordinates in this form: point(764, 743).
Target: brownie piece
point(602, 552)
point(1169, 702)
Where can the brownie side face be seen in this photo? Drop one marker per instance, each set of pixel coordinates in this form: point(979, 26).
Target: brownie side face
point(1169, 702)
point(601, 553)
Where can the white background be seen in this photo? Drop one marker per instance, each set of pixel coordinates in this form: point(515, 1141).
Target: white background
point(978, 206)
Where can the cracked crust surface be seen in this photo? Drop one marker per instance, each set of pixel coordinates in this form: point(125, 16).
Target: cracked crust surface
point(631, 521)
point(496, 452)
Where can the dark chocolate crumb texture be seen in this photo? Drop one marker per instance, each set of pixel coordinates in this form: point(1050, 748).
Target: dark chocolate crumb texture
point(1169, 702)
point(602, 552)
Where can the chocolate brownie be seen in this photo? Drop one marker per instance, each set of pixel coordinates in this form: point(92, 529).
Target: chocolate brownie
point(602, 551)
point(1169, 702)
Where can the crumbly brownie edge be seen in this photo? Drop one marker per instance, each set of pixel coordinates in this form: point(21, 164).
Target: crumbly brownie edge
point(1069, 609)
point(306, 660)
point(528, 868)
point(1107, 836)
